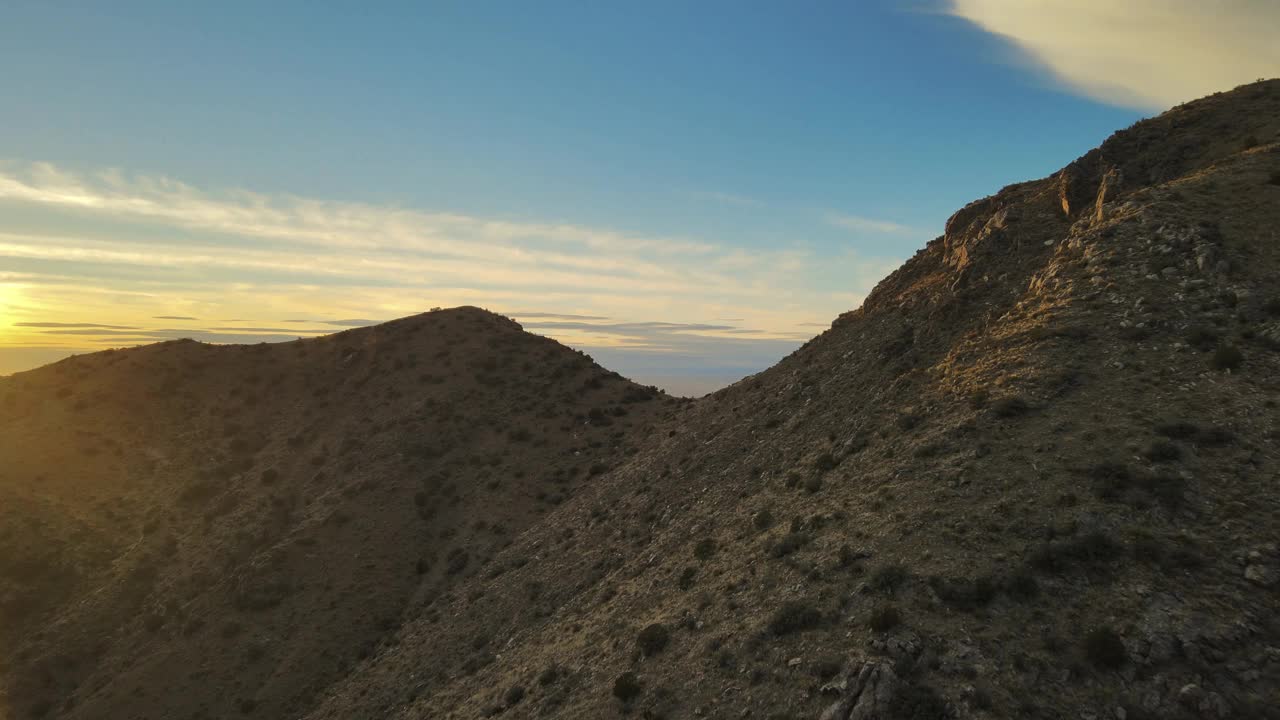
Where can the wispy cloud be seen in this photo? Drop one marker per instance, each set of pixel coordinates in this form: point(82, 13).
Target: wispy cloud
point(359, 322)
point(1147, 54)
point(160, 251)
point(555, 316)
point(71, 325)
point(726, 198)
point(869, 225)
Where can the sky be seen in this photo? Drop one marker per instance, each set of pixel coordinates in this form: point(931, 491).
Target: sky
point(686, 190)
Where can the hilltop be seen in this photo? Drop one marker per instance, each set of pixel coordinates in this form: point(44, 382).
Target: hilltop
point(1032, 476)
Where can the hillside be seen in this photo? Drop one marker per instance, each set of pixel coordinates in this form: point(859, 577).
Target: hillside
point(1033, 476)
point(205, 531)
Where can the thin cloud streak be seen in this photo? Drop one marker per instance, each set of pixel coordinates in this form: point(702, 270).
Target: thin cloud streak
point(871, 225)
point(554, 316)
point(727, 198)
point(71, 325)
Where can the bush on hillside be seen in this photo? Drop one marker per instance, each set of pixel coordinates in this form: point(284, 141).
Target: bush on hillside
point(627, 687)
point(1226, 357)
point(794, 616)
point(653, 639)
point(1103, 648)
point(883, 618)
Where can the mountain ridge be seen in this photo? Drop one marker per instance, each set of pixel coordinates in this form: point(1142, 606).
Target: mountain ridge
point(1031, 476)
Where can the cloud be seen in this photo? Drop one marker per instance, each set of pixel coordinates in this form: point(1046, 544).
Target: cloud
point(726, 198)
point(272, 330)
point(1147, 54)
point(71, 325)
point(637, 328)
point(865, 224)
point(94, 330)
point(141, 251)
point(351, 323)
point(553, 316)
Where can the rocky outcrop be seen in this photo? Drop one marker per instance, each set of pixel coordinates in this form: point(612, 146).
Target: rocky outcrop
point(867, 693)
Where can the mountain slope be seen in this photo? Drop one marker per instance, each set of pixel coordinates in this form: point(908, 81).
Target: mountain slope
point(205, 531)
point(1032, 476)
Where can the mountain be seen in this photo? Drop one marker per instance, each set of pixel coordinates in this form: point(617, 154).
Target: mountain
point(206, 531)
point(1033, 476)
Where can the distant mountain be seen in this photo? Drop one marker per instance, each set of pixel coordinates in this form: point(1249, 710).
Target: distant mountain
point(1033, 476)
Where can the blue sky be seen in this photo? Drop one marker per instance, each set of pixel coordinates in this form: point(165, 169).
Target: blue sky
point(745, 169)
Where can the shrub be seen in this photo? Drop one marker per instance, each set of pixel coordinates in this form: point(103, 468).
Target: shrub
point(1162, 451)
point(653, 639)
point(1226, 357)
point(824, 462)
point(1089, 549)
point(847, 557)
point(1167, 489)
point(918, 702)
point(1110, 479)
point(887, 578)
point(549, 675)
point(1114, 482)
point(457, 561)
point(884, 618)
point(1103, 648)
point(1202, 339)
point(514, 695)
point(978, 399)
point(627, 687)
point(705, 548)
point(1009, 407)
point(1217, 437)
point(687, 577)
point(789, 543)
point(826, 668)
point(1022, 585)
point(1178, 430)
point(963, 593)
point(794, 616)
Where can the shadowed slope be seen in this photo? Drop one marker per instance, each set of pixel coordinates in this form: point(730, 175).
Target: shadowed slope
point(201, 531)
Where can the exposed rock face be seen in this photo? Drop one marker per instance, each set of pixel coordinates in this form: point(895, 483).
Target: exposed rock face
point(867, 694)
